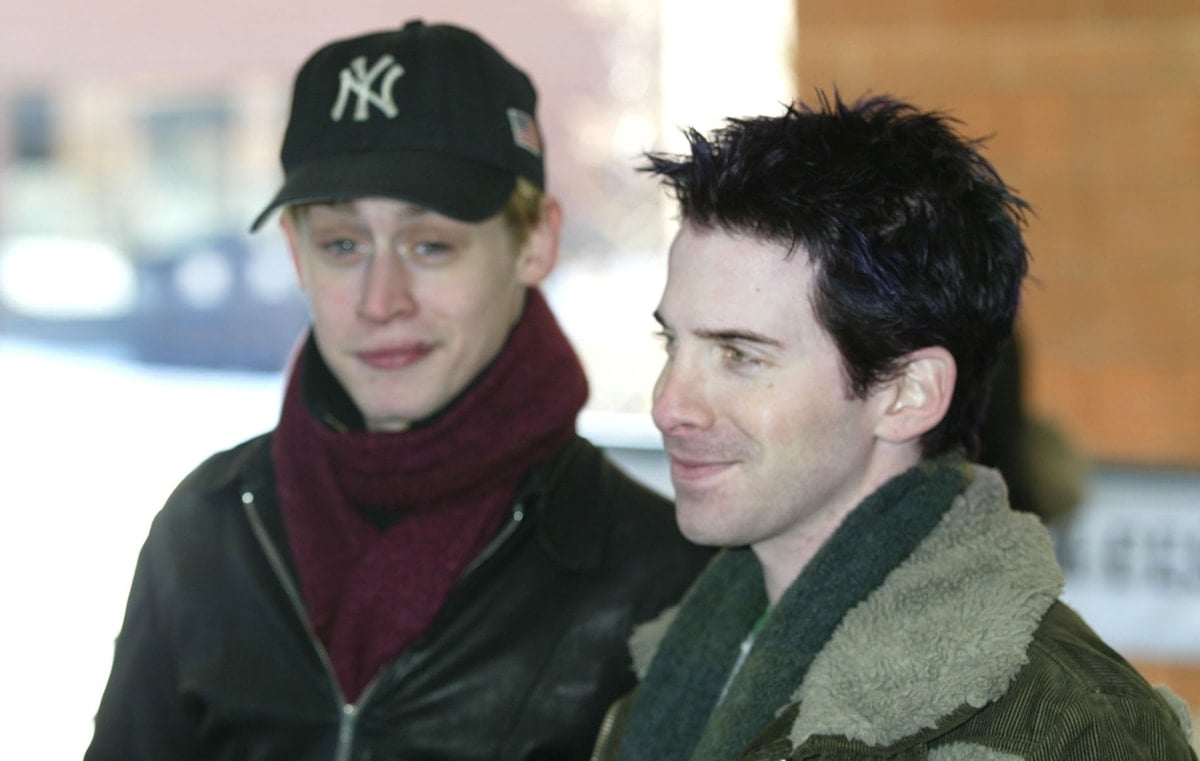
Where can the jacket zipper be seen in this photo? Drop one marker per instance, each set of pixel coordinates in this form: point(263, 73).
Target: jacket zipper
point(348, 712)
point(514, 522)
point(603, 737)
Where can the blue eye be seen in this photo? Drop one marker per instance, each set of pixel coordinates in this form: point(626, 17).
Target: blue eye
point(432, 253)
point(430, 248)
point(341, 248)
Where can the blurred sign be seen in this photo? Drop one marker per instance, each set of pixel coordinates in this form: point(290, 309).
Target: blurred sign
point(1132, 558)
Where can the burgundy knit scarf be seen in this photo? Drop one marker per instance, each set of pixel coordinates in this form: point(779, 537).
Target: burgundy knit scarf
point(448, 485)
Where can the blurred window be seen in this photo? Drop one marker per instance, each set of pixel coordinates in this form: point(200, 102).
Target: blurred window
point(32, 118)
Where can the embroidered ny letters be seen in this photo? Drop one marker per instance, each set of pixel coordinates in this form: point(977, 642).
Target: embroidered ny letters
point(358, 79)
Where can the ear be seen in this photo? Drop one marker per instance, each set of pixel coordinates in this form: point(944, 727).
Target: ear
point(540, 252)
point(917, 398)
point(288, 224)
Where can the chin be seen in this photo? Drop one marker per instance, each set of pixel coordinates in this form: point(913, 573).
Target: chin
point(392, 419)
point(696, 527)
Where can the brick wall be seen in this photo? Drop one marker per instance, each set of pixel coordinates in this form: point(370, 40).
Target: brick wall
point(1095, 111)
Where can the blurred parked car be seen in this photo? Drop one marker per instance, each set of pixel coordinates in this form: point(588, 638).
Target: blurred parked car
point(218, 302)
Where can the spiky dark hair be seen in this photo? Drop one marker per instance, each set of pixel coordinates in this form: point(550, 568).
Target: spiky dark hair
point(915, 239)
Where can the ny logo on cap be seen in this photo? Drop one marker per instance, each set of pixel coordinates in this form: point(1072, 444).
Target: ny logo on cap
point(358, 79)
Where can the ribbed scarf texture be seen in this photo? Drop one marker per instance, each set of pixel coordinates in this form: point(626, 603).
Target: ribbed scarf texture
point(675, 716)
point(447, 484)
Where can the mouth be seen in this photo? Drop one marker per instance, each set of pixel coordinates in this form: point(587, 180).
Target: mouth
point(395, 357)
point(686, 470)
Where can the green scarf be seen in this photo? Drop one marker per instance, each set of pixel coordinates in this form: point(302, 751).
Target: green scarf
point(675, 715)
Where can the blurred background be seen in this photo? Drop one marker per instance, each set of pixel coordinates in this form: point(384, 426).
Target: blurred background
point(142, 327)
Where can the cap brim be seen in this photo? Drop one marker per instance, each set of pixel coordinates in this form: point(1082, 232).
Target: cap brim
point(458, 188)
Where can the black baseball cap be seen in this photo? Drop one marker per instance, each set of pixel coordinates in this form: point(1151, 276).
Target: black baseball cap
point(428, 114)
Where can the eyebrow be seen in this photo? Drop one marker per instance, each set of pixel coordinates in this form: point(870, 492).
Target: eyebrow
point(747, 336)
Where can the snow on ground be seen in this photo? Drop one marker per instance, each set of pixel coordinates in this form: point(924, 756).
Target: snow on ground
point(90, 449)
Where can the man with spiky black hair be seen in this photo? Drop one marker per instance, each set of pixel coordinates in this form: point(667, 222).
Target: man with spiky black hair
point(842, 282)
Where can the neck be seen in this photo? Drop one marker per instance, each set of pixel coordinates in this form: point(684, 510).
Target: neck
point(785, 556)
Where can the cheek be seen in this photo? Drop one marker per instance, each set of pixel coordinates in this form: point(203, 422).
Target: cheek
point(491, 304)
point(459, 302)
point(781, 418)
point(331, 302)
point(479, 315)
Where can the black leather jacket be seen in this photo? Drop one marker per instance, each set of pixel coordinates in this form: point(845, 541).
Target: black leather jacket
point(216, 658)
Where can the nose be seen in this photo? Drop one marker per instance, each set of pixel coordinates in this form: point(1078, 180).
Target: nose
point(387, 290)
point(680, 399)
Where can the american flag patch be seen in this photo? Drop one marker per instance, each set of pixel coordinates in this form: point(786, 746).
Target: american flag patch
point(525, 131)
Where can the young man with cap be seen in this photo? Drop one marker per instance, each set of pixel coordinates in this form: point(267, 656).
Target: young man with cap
point(423, 559)
point(837, 294)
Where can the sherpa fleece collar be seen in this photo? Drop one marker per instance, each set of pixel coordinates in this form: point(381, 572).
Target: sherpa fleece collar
point(949, 626)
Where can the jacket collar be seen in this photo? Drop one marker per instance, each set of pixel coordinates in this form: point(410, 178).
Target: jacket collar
point(949, 627)
point(570, 491)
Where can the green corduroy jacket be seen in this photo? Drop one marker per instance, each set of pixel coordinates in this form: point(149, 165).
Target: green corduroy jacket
point(964, 652)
